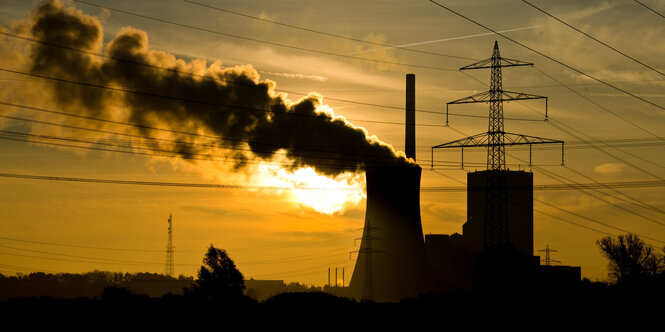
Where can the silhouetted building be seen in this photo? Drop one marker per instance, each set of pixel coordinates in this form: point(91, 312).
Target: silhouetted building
point(520, 210)
point(454, 258)
point(451, 262)
point(553, 276)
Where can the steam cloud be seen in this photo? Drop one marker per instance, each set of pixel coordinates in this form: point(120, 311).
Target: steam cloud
point(232, 103)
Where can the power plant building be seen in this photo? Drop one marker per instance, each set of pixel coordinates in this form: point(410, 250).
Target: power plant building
point(520, 210)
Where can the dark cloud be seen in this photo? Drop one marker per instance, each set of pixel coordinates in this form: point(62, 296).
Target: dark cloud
point(228, 102)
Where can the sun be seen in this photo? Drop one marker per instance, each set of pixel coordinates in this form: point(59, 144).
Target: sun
point(327, 195)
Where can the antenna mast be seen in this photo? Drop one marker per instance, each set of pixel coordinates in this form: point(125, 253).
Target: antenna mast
point(169, 249)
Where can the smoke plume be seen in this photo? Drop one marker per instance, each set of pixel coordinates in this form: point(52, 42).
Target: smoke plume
point(151, 88)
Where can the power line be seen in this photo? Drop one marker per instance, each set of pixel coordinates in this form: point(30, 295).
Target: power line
point(174, 70)
point(549, 57)
point(299, 48)
point(27, 268)
point(558, 178)
point(268, 261)
point(74, 260)
point(169, 155)
point(635, 201)
point(553, 123)
point(594, 220)
point(547, 214)
point(190, 156)
point(649, 8)
point(325, 33)
point(639, 203)
point(158, 152)
point(155, 152)
point(131, 146)
point(545, 187)
point(572, 223)
point(592, 138)
point(99, 260)
point(594, 39)
point(339, 99)
point(586, 84)
point(38, 109)
point(567, 86)
point(159, 183)
point(178, 154)
point(88, 247)
point(598, 105)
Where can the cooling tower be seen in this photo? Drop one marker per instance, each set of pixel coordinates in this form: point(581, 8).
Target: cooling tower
point(397, 263)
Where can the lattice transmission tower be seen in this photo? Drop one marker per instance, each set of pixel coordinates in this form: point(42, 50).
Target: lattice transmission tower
point(548, 259)
point(368, 251)
point(168, 270)
point(495, 139)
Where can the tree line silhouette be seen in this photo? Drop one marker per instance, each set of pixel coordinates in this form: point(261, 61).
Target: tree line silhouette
point(636, 271)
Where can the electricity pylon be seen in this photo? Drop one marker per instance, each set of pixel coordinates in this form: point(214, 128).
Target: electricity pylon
point(495, 139)
point(368, 251)
point(548, 259)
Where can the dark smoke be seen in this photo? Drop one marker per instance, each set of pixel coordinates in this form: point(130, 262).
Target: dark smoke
point(228, 102)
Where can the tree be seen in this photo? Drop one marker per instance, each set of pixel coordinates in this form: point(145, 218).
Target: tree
point(631, 260)
point(219, 278)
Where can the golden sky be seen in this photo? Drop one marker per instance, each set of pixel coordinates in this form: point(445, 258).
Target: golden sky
point(59, 226)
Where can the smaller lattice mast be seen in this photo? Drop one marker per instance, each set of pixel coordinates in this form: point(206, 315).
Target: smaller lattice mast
point(168, 270)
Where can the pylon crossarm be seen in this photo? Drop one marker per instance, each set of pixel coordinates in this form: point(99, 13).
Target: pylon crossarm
point(503, 62)
point(519, 139)
point(484, 97)
point(475, 140)
point(367, 238)
point(512, 95)
point(481, 140)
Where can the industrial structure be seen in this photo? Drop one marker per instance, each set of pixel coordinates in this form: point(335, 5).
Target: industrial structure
point(394, 261)
point(490, 202)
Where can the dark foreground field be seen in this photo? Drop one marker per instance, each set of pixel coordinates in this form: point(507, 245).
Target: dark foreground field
point(595, 303)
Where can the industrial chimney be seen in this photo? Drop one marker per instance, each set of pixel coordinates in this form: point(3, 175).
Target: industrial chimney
point(410, 121)
point(392, 258)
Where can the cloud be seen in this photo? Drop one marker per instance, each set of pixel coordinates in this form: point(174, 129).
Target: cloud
point(252, 120)
point(298, 76)
point(609, 169)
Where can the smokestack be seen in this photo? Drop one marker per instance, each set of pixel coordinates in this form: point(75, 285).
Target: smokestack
point(410, 134)
point(399, 265)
